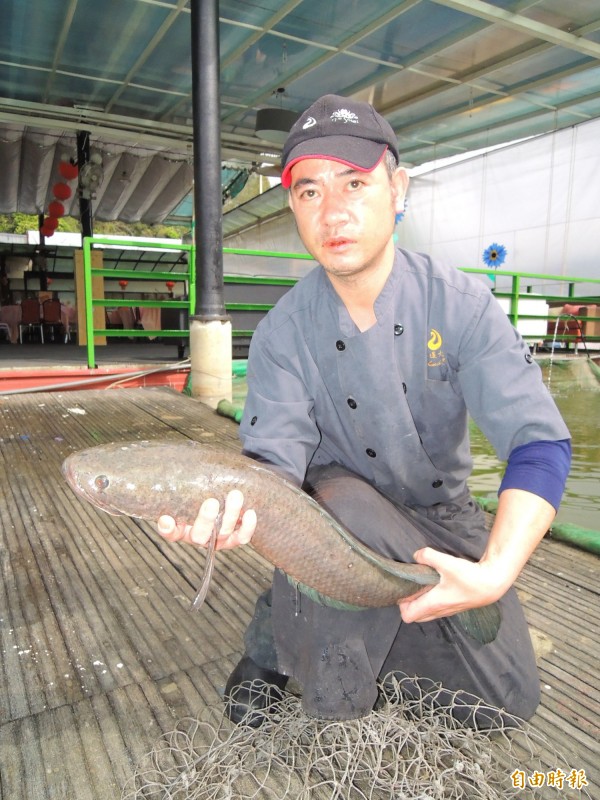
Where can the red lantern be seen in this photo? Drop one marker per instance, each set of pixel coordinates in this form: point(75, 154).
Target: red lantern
point(61, 191)
point(123, 284)
point(56, 209)
point(170, 285)
point(46, 231)
point(51, 222)
point(68, 171)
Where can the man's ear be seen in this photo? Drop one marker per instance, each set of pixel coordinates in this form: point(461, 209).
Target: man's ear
point(400, 182)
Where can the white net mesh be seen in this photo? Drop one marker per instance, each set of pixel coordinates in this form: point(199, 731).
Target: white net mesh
point(406, 749)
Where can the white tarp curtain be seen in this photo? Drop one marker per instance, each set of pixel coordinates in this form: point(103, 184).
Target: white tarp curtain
point(539, 198)
point(137, 185)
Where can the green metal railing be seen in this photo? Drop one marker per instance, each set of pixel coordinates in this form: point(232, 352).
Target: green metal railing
point(514, 295)
point(117, 273)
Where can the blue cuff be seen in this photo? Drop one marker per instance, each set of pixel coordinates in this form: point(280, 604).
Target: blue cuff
point(540, 468)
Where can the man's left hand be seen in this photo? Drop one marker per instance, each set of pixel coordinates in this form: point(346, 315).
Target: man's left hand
point(463, 585)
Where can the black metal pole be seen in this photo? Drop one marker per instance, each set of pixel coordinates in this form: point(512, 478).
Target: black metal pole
point(85, 203)
point(207, 160)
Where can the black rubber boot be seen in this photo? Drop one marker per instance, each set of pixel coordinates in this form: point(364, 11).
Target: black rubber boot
point(242, 695)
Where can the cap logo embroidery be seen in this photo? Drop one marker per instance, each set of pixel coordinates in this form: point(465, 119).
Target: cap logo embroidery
point(343, 115)
point(309, 123)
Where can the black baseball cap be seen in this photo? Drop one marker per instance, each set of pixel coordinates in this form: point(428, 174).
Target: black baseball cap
point(340, 129)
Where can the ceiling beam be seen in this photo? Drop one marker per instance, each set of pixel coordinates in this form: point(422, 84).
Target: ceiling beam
point(149, 49)
point(341, 49)
point(530, 27)
point(60, 46)
point(460, 141)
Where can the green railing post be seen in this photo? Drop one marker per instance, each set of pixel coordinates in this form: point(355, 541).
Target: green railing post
point(514, 300)
point(89, 308)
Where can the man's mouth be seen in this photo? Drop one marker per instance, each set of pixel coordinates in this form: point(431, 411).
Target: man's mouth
point(337, 242)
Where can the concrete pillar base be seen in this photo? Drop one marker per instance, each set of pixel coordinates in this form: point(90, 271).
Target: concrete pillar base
point(211, 360)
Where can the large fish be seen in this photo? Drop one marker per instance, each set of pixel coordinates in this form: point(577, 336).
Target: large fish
point(293, 532)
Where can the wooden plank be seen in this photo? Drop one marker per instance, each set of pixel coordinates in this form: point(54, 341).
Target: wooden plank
point(100, 654)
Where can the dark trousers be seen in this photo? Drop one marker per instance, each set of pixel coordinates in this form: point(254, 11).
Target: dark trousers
point(337, 656)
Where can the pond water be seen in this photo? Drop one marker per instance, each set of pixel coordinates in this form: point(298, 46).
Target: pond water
point(578, 399)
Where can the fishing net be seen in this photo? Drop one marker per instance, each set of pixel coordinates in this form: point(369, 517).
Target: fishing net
point(406, 749)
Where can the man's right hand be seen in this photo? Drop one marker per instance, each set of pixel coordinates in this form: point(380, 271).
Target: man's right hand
point(236, 528)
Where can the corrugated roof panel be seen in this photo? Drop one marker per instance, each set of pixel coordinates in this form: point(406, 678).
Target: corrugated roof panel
point(450, 74)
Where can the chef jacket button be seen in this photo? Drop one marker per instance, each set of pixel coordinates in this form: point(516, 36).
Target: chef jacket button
point(437, 484)
point(398, 330)
point(371, 453)
point(340, 345)
point(352, 402)
point(528, 358)
point(253, 421)
point(404, 387)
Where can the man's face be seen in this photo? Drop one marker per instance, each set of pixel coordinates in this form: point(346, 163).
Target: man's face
point(346, 217)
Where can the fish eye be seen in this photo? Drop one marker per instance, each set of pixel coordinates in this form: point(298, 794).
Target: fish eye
point(101, 482)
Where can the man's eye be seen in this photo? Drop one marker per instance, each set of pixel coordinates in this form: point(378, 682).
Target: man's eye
point(355, 184)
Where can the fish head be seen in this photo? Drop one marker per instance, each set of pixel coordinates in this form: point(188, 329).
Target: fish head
point(143, 479)
point(101, 476)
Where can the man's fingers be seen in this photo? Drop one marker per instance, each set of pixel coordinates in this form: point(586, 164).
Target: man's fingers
point(231, 514)
point(233, 527)
point(168, 529)
point(247, 527)
point(205, 522)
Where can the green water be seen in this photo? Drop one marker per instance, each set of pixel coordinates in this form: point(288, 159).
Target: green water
point(578, 399)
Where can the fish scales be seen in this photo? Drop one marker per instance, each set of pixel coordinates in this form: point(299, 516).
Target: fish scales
point(294, 533)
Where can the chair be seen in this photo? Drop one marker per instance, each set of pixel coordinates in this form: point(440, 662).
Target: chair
point(52, 316)
point(30, 318)
point(5, 329)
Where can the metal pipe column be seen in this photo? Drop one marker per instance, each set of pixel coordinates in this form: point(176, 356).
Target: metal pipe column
point(85, 203)
point(210, 328)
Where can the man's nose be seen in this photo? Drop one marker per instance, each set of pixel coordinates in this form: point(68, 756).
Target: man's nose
point(334, 208)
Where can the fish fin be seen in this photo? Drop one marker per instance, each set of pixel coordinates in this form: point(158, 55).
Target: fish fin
point(209, 564)
point(481, 624)
point(322, 599)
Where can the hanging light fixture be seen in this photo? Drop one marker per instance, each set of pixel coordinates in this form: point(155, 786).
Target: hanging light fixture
point(273, 124)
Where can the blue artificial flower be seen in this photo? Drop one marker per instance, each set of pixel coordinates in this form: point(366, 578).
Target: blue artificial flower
point(495, 255)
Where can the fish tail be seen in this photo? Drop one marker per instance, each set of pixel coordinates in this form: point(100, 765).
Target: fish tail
point(481, 624)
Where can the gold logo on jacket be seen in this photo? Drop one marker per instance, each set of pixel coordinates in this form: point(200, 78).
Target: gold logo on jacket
point(435, 356)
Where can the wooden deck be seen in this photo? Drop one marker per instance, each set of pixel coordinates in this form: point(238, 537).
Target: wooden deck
point(99, 653)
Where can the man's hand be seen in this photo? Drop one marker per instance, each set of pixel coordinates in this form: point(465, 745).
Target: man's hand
point(236, 528)
point(463, 585)
point(520, 523)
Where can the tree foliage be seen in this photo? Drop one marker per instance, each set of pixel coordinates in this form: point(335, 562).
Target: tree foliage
point(21, 223)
